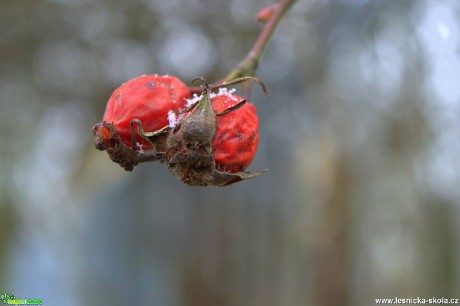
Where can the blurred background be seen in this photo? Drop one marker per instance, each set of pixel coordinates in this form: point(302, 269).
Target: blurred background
point(361, 136)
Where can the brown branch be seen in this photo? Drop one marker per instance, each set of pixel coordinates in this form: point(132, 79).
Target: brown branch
point(249, 64)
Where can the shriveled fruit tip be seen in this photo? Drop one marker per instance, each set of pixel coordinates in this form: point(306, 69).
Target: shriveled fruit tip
point(103, 135)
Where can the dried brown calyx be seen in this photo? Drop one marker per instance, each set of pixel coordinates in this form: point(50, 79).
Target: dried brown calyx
point(106, 139)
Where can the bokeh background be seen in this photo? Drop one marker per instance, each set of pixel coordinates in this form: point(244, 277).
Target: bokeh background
point(361, 135)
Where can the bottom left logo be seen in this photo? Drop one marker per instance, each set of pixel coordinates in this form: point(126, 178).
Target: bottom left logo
point(9, 299)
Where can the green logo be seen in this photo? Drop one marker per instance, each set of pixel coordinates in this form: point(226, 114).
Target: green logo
point(5, 297)
point(10, 299)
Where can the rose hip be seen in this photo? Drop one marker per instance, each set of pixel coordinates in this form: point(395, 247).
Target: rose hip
point(207, 143)
point(147, 98)
point(237, 136)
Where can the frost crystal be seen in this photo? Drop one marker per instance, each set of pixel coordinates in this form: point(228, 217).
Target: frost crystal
point(193, 100)
point(174, 118)
point(225, 92)
point(222, 92)
point(140, 148)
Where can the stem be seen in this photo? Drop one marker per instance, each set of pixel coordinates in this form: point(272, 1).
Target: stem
point(249, 63)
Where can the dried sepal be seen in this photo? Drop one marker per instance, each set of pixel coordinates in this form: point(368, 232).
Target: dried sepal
point(241, 80)
point(107, 139)
point(227, 178)
point(190, 155)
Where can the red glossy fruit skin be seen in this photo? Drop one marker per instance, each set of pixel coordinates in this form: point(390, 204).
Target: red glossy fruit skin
point(237, 134)
point(148, 98)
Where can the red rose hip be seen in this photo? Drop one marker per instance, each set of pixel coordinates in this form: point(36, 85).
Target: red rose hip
point(148, 98)
point(211, 144)
point(237, 136)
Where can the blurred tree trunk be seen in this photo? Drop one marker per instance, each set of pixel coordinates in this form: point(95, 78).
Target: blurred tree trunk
point(331, 262)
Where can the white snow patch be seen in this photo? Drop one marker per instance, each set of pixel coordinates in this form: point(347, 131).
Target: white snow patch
point(222, 92)
point(174, 118)
point(140, 148)
point(193, 100)
point(225, 92)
